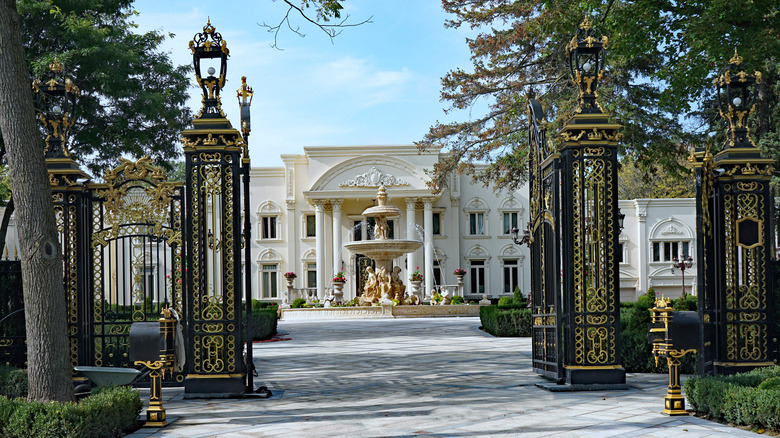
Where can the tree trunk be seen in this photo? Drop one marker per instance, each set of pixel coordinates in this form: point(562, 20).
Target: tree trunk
point(48, 362)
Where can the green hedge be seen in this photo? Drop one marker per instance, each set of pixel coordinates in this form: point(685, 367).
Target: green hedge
point(107, 413)
point(506, 320)
point(264, 320)
point(737, 399)
point(13, 382)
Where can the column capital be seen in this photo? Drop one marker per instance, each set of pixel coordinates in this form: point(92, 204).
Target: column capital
point(290, 204)
point(410, 203)
point(336, 203)
point(428, 203)
point(319, 204)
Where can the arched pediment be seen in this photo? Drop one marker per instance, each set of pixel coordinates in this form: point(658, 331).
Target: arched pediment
point(269, 255)
point(510, 251)
point(476, 204)
point(310, 254)
point(671, 229)
point(439, 255)
point(477, 252)
point(369, 172)
point(511, 204)
point(268, 207)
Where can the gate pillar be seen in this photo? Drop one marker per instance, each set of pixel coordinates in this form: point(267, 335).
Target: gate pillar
point(589, 225)
point(213, 152)
point(735, 219)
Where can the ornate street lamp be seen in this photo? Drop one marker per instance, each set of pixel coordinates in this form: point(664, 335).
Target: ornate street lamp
point(736, 99)
point(587, 58)
point(55, 100)
point(682, 265)
point(210, 45)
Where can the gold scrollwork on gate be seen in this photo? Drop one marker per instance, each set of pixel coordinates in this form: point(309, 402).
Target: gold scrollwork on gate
point(754, 339)
point(598, 343)
point(213, 361)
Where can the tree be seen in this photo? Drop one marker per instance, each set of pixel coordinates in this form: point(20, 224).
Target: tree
point(662, 57)
point(133, 99)
point(48, 362)
point(635, 182)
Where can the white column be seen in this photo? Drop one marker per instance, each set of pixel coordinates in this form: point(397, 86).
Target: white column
point(642, 243)
point(428, 226)
point(319, 247)
point(336, 203)
point(411, 233)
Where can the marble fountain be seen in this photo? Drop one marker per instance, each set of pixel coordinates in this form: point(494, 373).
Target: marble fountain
point(384, 283)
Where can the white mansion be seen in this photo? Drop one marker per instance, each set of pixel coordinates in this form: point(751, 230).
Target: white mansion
point(304, 212)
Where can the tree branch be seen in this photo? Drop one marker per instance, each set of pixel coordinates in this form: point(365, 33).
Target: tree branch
point(331, 30)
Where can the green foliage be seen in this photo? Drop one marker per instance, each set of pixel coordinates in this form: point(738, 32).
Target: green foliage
point(506, 320)
point(133, 99)
point(456, 299)
point(298, 303)
point(519, 298)
point(635, 181)
point(109, 412)
point(506, 301)
point(738, 399)
point(662, 57)
point(264, 322)
point(13, 382)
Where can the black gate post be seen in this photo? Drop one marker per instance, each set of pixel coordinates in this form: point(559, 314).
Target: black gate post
point(589, 225)
point(735, 215)
point(212, 151)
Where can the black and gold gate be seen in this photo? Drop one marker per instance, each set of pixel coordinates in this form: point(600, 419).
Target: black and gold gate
point(735, 221)
point(136, 256)
point(544, 168)
point(575, 232)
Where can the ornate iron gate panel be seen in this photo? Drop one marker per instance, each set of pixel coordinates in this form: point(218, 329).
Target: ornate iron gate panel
point(361, 275)
point(13, 345)
point(136, 256)
point(545, 244)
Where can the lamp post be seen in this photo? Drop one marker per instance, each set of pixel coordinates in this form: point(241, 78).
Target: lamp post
point(526, 239)
point(244, 95)
point(682, 265)
point(55, 103)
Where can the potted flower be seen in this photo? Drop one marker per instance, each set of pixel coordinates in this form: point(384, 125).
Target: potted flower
point(416, 276)
point(459, 272)
point(339, 277)
point(290, 276)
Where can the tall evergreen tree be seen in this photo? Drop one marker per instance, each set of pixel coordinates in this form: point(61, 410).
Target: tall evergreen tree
point(662, 57)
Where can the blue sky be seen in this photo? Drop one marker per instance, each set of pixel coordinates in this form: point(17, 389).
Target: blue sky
point(378, 83)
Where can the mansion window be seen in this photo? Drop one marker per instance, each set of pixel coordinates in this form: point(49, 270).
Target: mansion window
point(268, 227)
point(476, 224)
point(511, 275)
point(477, 275)
point(270, 280)
point(667, 251)
point(436, 224)
point(311, 225)
point(311, 275)
point(510, 221)
point(436, 272)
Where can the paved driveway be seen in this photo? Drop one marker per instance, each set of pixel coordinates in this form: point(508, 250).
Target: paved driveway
point(428, 377)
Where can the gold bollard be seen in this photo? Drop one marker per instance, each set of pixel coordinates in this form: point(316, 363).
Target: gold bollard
point(155, 415)
point(674, 402)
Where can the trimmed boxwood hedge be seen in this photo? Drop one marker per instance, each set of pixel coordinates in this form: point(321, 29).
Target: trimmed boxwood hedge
point(108, 412)
point(509, 320)
point(740, 399)
point(264, 320)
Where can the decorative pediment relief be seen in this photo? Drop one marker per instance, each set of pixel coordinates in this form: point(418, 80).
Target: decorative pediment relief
point(671, 230)
point(374, 178)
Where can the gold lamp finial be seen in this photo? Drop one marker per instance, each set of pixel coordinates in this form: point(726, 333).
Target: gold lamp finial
point(736, 59)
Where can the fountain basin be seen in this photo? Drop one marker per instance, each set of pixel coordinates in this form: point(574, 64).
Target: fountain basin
point(383, 249)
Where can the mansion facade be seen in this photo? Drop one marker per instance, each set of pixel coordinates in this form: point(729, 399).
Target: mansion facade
point(306, 210)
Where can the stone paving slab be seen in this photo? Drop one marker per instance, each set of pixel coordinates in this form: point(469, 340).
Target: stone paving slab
point(438, 377)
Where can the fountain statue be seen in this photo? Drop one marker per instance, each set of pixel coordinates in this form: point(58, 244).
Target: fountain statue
point(384, 283)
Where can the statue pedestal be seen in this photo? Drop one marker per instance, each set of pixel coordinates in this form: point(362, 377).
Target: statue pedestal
point(415, 289)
